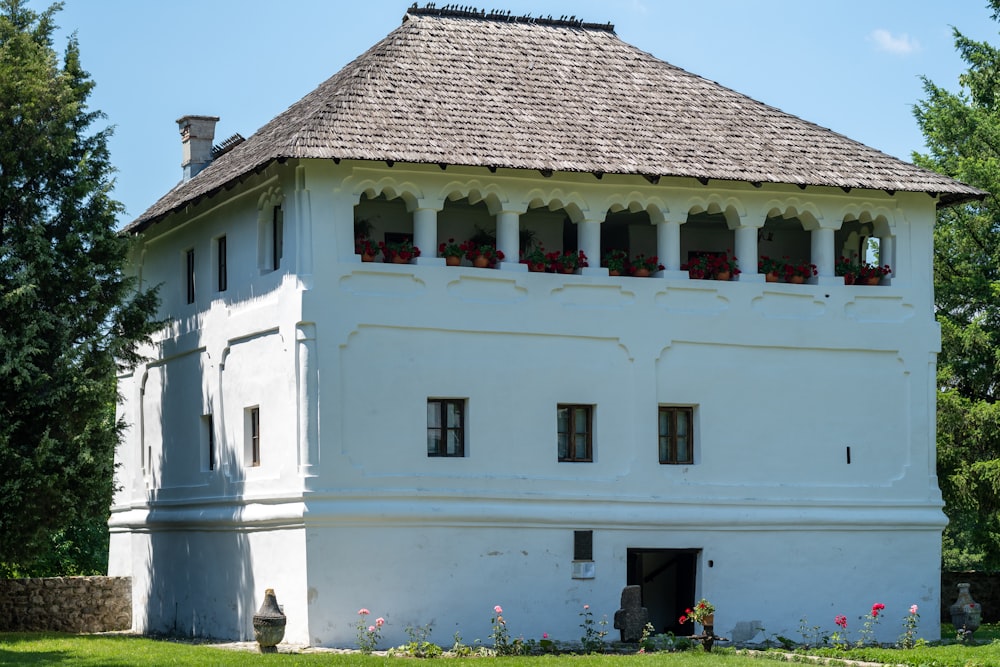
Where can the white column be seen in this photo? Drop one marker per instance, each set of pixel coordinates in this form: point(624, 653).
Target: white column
point(668, 249)
point(307, 399)
point(589, 241)
point(509, 241)
point(886, 252)
point(303, 225)
point(746, 254)
point(822, 255)
point(425, 235)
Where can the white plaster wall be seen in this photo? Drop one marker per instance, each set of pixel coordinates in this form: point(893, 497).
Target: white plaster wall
point(451, 576)
point(783, 378)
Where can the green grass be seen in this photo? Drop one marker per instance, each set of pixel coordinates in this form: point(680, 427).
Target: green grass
point(126, 651)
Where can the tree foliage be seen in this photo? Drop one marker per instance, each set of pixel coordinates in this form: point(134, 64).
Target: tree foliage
point(962, 132)
point(68, 313)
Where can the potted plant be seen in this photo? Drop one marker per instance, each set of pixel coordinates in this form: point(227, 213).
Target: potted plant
point(772, 268)
point(849, 268)
point(451, 251)
point(615, 261)
point(482, 255)
point(566, 261)
point(367, 248)
point(712, 266)
point(641, 266)
point(702, 613)
point(534, 257)
point(799, 272)
point(871, 274)
point(400, 252)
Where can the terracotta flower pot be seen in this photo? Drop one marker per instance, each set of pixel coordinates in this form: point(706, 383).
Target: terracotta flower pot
point(771, 277)
point(452, 260)
point(873, 280)
point(849, 279)
point(536, 267)
point(614, 272)
point(641, 273)
point(723, 275)
point(481, 262)
point(396, 259)
point(796, 280)
point(367, 257)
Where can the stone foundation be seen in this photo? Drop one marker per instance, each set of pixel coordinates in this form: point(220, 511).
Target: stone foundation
point(66, 604)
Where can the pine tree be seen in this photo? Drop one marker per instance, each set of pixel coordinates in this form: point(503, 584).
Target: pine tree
point(962, 131)
point(68, 313)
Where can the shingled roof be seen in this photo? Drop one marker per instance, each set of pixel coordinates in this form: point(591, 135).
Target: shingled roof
point(470, 88)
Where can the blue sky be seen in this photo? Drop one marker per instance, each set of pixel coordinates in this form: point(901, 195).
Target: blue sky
point(853, 66)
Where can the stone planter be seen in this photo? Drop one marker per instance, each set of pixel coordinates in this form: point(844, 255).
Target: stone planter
point(966, 613)
point(269, 624)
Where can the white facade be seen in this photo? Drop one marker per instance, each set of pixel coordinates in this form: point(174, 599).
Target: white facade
point(812, 492)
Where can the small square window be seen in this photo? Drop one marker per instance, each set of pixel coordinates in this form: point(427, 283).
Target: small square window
point(445, 427)
point(676, 432)
point(575, 428)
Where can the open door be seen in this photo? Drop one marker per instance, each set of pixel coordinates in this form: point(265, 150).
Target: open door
point(667, 580)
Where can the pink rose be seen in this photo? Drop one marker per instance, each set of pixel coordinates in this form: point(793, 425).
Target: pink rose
point(371, 628)
point(379, 622)
point(498, 609)
point(363, 612)
point(545, 635)
point(586, 606)
point(913, 609)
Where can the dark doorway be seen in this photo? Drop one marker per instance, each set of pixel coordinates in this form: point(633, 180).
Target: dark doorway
point(667, 578)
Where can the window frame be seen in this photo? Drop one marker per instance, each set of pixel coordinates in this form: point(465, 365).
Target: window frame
point(277, 237)
point(573, 409)
point(666, 445)
point(221, 263)
point(445, 429)
point(189, 270)
point(253, 440)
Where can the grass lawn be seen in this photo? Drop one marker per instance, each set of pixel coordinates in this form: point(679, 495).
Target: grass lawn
point(122, 651)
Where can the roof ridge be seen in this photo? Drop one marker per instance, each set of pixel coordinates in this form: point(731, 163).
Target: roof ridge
point(469, 12)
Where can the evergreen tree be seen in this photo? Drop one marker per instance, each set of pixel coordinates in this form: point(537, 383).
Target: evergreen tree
point(962, 131)
point(68, 313)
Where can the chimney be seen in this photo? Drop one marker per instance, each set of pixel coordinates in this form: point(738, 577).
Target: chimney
point(197, 134)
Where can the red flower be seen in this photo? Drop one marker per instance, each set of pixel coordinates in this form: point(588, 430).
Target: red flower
point(683, 619)
point(841, 621)
point(876, 608)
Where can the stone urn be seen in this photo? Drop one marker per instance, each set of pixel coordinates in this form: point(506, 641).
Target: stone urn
point(966, 613)
point(269, 624)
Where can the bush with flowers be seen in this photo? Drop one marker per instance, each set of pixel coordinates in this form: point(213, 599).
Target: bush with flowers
point(368, 634)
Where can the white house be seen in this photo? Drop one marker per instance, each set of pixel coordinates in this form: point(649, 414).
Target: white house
point(428, 441)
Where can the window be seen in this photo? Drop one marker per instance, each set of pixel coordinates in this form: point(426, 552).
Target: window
point(676, 433)
point(221, 261)
point(445, 427)
point(208, 437)
point(583, 545)
point(575, 428)
point(277, 237)
point(253, 415)
point(189, 274)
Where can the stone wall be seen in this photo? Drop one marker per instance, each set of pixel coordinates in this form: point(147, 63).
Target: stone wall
point(66, 604)
point(985, 589)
